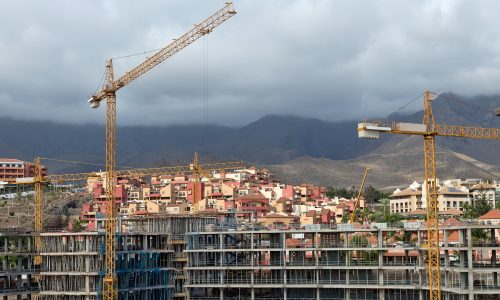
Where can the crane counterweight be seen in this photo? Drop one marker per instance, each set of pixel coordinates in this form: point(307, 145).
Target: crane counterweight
point(93, 103)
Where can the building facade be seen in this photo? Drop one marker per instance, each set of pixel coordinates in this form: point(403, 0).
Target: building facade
point(339, 264)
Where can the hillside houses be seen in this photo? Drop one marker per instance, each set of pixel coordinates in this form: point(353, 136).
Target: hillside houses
point(255, 194)
point(452, 196)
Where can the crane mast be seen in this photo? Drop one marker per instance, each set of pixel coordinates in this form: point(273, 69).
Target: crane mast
point(110, 284)
point(429, 130)
point(353, 214)
point(110, 288)
point(40, 179)
point(198, 170)
point(433, 259)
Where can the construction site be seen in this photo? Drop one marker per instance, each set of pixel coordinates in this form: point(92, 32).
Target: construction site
point(212, 257)
point(204, 253)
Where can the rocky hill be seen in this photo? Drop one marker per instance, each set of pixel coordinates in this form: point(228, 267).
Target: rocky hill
point(298, 149)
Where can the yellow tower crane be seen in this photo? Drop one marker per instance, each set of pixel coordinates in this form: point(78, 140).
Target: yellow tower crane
point(108, 92)
point(429, 130)
point(353, 214)
point(203, 170)
point(40, 179)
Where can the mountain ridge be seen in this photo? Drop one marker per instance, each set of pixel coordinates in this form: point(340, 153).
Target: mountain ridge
point(271, 140)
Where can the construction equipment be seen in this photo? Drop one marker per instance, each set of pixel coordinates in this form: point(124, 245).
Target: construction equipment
point(108, 92)
point(198, 170)
point(39, 180)
point(429, 130)
point(353, 213)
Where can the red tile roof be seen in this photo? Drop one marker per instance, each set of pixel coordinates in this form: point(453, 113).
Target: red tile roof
point(492, 214)
point(293, 243)
point(452, 222)
point(417, 212)
point(483, 186)
point(406, 192)
point(253, 196)
point(452, 211)
point(277, 216)
point(2, 159)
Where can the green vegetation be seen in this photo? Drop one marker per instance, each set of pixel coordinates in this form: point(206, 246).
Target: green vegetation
point(370, 193)
point(77, 226)
point(332, 192)
point(480, 206)
point(381, 215)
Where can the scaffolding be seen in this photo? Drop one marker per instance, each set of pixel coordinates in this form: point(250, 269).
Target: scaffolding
point(206, 257)
point(339, 264)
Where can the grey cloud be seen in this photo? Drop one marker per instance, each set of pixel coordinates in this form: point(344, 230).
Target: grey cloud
point(334, 60)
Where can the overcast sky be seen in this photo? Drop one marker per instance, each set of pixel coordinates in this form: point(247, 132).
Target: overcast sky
point(333, 60)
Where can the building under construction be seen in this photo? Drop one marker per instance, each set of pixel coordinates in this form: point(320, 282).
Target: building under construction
point(205, 257)
point(340, 264)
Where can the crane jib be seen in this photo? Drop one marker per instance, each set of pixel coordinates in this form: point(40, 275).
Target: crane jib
point(177, 45)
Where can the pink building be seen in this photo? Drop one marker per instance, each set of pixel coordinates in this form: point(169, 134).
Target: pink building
point(254, 203)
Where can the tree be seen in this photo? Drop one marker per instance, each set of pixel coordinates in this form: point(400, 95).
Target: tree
point(345, 217)
point(480, 207)
point(77, 226)
point(371, 194)
point(384, 215)
point(332, 192)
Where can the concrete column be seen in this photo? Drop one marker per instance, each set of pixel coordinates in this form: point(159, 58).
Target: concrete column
point(380, 253)
point(252, 278)
point(469, 263)
point(5, 263)
point(381, 294)
point(221, 293)
point(318, 294)
point(285, 293)
point(253, 293)
point(124, 242)
point(144, 242)
point(87, 284)
point(284, 278)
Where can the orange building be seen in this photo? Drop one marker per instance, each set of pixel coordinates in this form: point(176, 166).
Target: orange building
point(11, 168)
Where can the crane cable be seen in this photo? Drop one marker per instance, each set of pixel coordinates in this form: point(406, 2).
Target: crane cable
point(205, 98)
point(452, 98)
point(82, 163)
point(410, 102)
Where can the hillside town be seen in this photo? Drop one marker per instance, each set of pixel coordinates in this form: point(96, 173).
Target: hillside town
point(274, 203)
point(256, 194)
point(245, 215)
